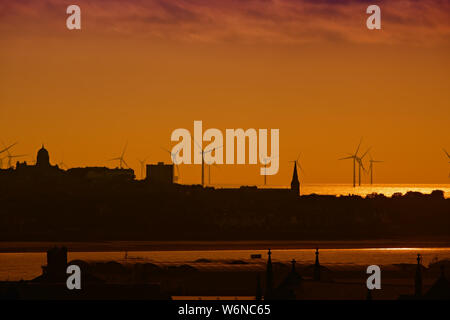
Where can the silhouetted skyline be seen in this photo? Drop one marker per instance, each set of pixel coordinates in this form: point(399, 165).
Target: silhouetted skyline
point(136, 80)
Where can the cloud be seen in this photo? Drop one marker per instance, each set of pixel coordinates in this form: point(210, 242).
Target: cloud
point(245, 21)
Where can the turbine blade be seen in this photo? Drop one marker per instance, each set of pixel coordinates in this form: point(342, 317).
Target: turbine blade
point(7, 148)
point(365, 153)
point(124, 149)
point(351, 157)
point(448, 155)
point(301, 169)
point(165, 149)
point(359, 145)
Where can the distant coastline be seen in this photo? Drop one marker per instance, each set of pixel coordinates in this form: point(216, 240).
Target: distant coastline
point(117, 246)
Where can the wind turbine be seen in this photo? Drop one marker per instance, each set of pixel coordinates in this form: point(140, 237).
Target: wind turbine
point(209, 173)
point(173, 156)
point(203, 152)
point(371, 168)
point(361, 165)
point(448, 156)
point(354, 157)
point(9, 155)
point(121, 159)
point(266, 161)
point(142, 163)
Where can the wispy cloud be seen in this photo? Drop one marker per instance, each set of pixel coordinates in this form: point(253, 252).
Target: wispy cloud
point(246, 21)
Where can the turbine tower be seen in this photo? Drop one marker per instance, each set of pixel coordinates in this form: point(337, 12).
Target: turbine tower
point(121, 159)
point(203, 152)
point(209, 172)
point(361, 165)
point(371, 168)
point(142, 164)
point(354, 157)
point(173, 156)
point(266, 161)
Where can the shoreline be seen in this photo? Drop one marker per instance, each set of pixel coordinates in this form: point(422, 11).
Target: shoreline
point(118, 246)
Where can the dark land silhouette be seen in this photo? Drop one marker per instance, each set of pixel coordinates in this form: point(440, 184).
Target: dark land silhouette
point(267, 281)
point(42, 202)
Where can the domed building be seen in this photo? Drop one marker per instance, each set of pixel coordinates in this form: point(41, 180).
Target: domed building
point(42, 166)
point(43, 158)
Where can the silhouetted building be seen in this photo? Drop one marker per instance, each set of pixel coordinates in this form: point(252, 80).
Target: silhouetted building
point(43, 158)
point(160, 173)
point(55, 270)
point(295, 183)
point(440, 290)
point(42, 167)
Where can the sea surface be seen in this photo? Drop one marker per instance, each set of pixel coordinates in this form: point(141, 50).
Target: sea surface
point(347, 189)
point(16, 266)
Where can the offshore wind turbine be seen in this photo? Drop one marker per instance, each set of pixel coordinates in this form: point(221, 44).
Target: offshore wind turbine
point(203, 152)
point(354, 157)
point(209, 164)
point(120, 158)
point(142, 164)
point(361, 165)
point(266, 161)
point(209, 172)
point(173, 156)
point(9, 155)
point(371, 168)
point(448, 156)
point(265, 168)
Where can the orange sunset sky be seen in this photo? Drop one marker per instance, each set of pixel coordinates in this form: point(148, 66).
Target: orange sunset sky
point(137, 70)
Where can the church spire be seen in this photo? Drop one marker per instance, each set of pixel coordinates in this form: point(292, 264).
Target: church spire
point(295, 184)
